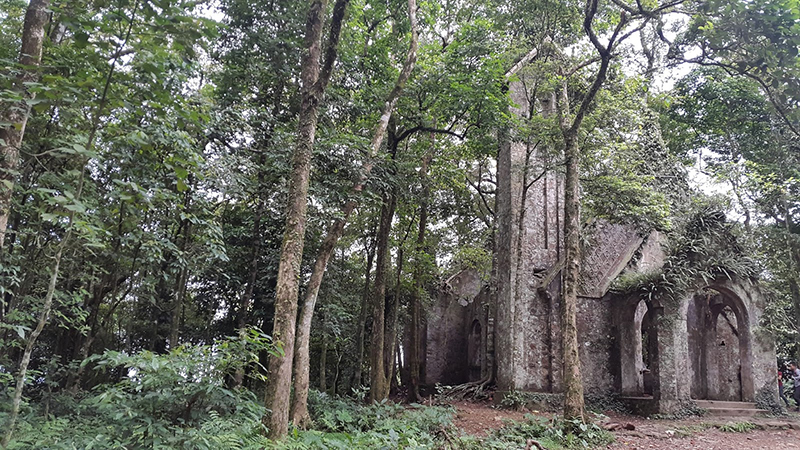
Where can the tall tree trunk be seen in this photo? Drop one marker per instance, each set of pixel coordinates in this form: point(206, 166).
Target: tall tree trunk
point(573, 383)
point(323, 363)
point(301, 366)
point(378, 379)
point(44, 314)
point(390, 340)
point(16, 114)
point(419, 285)
point(314, 82)
point(180, 291)
point(362, 319)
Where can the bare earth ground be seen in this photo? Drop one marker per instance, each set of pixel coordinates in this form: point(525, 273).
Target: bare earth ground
point(695, 433)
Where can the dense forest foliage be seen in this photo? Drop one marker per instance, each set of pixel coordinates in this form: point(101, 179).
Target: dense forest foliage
point(221, 221)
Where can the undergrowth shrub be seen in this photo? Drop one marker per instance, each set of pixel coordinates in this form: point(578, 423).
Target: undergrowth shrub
point(347, 424)
point(177, 400)
point(554, 434)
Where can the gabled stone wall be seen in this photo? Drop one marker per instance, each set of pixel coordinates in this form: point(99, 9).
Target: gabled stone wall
point(527, 337)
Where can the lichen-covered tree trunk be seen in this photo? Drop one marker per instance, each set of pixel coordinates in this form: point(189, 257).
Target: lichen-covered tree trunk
point(314, 80)
point(14, 116)
point(573, 383)
point(378, 379)
point(570, 127)
point(301, 366)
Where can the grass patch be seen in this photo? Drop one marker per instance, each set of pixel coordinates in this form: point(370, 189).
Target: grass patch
point(736, 427)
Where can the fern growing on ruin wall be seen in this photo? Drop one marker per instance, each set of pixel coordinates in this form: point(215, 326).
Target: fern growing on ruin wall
point(705, 248)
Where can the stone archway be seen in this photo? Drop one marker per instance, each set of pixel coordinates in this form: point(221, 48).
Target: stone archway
point(673, 374)
point(684, 344)
point(637, 347)
point(475, 351)
point(720, 351)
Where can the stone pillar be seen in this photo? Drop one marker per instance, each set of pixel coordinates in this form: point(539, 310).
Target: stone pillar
point(630, 341)
point(671, 371)
point(759, 363)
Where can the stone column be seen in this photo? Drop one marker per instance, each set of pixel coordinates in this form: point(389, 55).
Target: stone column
point(671, 371)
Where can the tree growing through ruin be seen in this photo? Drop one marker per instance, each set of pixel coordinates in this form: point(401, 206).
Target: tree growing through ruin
point(629, 20)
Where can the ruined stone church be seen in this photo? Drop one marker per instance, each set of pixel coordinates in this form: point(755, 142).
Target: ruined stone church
point(654, 354)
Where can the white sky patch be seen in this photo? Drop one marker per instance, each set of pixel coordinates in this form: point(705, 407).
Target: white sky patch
point(212, 11)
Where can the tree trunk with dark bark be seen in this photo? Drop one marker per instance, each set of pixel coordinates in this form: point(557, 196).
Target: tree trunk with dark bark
point(246, 300)
point(301, 366)
point(323, 363)
point(16, 114)
point(392, 309)
point(314, 82)
point(419, 285)
point(362, 319)
point(378, 379)
point(573, 383)
point(180, 291)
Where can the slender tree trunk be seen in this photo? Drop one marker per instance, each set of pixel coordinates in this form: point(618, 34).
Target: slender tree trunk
point(419, 285)
point(378, 379)
point(246, 300)
point(247, 297)
point(180, 292)
point(314, 82)
point(362, 319)
point(16, 115)
point(323, 363)
point(337, 372)
point(29, 346)
point(573, 383)
point(301, 366)
point(391, 323)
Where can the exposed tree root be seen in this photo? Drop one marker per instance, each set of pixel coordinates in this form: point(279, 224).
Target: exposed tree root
point(474, 390)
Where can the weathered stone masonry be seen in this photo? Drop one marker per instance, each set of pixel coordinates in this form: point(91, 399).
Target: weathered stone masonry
point(707, 345)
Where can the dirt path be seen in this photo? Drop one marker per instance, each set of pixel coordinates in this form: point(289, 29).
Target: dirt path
point(478, 419)
point(704, 433)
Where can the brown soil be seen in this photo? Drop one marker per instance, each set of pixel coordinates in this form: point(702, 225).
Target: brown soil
point(702, 433)
point(479, 419)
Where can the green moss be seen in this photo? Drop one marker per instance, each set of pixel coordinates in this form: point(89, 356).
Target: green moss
point(767, 400)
